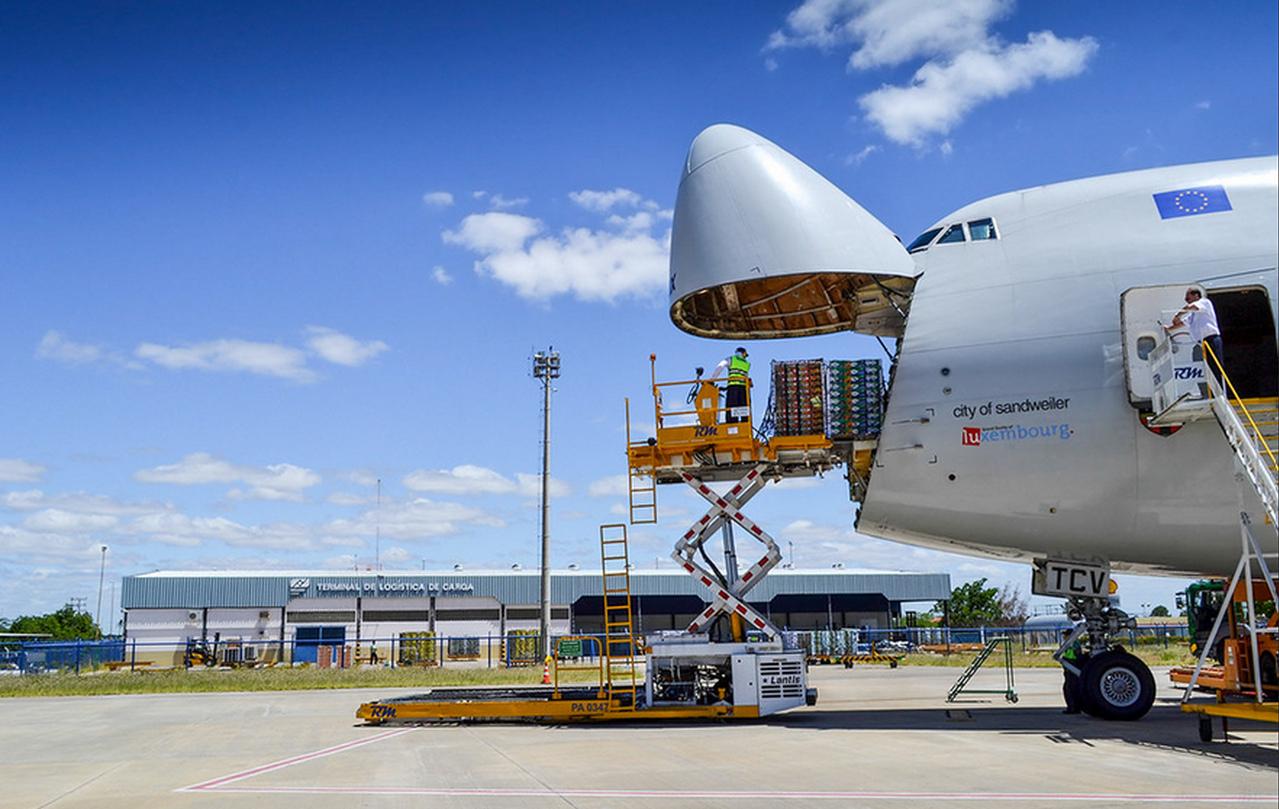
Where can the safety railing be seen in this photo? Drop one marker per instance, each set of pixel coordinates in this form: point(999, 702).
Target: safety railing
point(1232, 394)
point(1248, 447)
point(702, 412)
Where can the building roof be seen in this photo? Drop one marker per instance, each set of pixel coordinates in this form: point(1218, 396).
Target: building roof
point(274, 588)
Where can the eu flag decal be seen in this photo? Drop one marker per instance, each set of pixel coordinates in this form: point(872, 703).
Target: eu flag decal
point(1192, 201)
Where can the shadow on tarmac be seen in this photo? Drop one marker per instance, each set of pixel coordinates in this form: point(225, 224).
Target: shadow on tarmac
point(1164, 728)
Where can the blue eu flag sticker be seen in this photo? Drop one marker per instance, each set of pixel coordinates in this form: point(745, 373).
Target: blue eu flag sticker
point(1192, 201)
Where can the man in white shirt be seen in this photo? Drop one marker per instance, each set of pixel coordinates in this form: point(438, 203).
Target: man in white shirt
point(1199, 315)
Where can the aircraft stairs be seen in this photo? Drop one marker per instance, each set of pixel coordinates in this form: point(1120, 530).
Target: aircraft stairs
point(1251, 426)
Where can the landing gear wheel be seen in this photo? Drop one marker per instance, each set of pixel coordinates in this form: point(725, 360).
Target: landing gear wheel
point(1116, 685)
point(1269, 669)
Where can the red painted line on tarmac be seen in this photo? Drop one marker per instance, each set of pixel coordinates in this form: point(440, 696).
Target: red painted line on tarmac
point(289, 762)
point(685, 794)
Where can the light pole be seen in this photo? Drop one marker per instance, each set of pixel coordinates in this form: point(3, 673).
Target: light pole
point(546, 367)
point(102, 572)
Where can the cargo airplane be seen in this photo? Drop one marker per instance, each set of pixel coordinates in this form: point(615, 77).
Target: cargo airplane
point(1024, 420)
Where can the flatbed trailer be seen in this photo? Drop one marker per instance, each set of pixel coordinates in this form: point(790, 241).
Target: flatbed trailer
point(533, 704)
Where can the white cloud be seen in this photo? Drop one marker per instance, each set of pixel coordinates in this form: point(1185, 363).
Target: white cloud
point(16, 470)
point(965, 63)
point(56, 346)
point(942, 93)
point(272, 482)
point(438, 199)
point(493, 232)
point(502, 203)
point(610, 486)
point(342, 349)
point(348, 499)
point(604, 201)
point(362, 477)
point(67, 522)
point(468, 479)
point(589, 264)
point(629, 260)
point(267, 359)
point(859, 157)
point(441, 275)
point(1203, 105)
point(78, 502)
point(418, 518)
point(186, 531)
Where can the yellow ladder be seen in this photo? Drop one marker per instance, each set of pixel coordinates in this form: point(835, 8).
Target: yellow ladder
point(641, 488)
point(620, 665)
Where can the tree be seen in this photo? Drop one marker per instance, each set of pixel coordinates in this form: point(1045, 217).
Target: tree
point(972, 604)
point(1160, 611)
point(65, 624)
point(975, 604)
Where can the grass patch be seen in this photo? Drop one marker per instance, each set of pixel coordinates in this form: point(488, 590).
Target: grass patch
point(278, 679)
point(1174, 655)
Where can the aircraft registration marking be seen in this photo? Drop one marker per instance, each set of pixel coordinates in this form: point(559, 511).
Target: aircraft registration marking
point(1058, 577)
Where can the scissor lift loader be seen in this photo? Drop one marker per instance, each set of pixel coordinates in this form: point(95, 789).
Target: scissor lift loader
point(745, 669)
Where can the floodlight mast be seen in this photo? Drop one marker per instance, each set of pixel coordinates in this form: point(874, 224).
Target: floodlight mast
point(546, 367)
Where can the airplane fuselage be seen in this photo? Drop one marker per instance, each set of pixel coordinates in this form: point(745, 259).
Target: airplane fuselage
point(1010, 431)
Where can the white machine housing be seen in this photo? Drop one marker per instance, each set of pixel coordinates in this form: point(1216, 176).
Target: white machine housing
point(763, 673)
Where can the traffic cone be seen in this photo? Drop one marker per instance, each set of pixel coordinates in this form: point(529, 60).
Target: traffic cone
point(546, 671)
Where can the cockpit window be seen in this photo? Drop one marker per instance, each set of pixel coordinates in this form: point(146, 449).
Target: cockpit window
point(955, 233)
point(923, 240)
point(982, 229)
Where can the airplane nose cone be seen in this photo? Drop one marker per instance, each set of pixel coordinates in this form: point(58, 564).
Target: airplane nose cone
point(716, 141)
point(764, 246)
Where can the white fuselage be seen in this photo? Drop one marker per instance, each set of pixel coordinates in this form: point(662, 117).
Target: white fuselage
point(1034, 315)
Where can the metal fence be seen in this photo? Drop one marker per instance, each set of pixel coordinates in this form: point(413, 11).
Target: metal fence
point(514, 650)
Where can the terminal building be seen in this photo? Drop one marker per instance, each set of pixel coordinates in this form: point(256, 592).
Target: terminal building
point(288, 615)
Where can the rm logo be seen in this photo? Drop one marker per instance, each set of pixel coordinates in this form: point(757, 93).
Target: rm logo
point(972, 437)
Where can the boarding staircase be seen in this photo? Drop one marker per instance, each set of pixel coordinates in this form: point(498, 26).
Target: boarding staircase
point(1252, 428)
point(621, 666)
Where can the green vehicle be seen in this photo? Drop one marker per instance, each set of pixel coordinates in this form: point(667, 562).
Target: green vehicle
point(1202, 601)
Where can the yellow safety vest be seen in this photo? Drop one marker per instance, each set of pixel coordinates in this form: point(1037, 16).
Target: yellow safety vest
point(739, 369)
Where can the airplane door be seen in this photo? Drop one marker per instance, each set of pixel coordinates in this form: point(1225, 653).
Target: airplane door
point(1141, 309)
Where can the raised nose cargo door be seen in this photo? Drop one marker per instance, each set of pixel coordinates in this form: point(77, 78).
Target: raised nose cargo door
point(764, 246)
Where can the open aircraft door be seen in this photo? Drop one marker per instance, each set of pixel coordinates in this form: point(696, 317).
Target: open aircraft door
point(763, 246)
point(1142, 310)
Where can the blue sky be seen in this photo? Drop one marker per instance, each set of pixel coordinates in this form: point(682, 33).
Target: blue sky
point(252, 259)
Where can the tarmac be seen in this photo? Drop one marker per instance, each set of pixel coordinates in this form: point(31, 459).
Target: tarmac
point(877, 738)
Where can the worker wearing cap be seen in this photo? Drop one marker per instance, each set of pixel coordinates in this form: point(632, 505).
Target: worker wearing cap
point(738, 368)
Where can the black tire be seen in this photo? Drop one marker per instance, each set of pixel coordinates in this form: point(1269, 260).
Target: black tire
point(1116, 685)
point(1205, 729)
point(1269, 669)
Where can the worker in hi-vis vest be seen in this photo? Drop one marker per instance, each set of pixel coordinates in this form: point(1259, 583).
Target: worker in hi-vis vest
point(739, 371)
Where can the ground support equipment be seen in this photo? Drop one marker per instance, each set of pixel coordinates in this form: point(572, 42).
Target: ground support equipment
point(1245, 684)
point(1009, 691)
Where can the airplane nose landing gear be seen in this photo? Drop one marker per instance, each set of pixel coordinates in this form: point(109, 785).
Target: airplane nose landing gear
point(1116, 685)
point(1102, 679)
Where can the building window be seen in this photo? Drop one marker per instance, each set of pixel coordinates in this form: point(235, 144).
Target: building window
point(533, 613)
point(396, 615)
point(323, 617)
point(467, 615)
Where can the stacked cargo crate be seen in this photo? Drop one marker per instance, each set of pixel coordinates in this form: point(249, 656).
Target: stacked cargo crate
point(855, 393)
point(798, 400)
